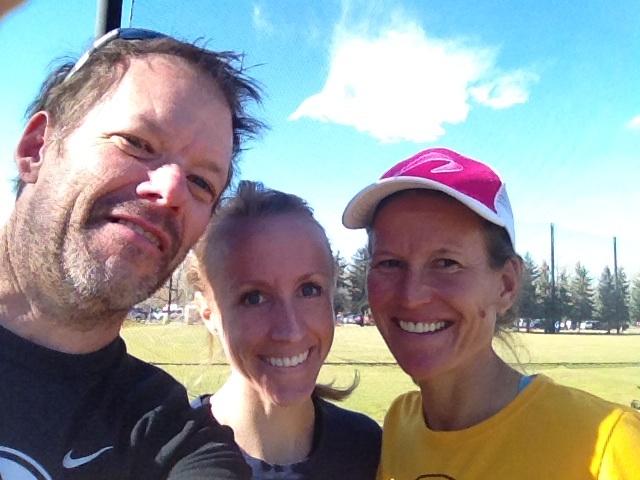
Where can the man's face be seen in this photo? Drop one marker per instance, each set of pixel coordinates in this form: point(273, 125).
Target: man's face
point(116, 207)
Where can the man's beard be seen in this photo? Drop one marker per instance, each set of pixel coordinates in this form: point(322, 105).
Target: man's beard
point(103, 289)
point(71, 284)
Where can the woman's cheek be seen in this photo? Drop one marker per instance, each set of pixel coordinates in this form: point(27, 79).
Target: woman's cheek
point(379, 288)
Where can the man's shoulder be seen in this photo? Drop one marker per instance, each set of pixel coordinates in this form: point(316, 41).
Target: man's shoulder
point(149, 387)
point(138, 371)
point(186, 441)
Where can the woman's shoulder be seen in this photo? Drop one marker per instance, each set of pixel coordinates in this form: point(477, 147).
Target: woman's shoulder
point(570, 409)
point(613, 429)
point(406, 405)
point(348, 443)
point(341, 418)
point(565, 398)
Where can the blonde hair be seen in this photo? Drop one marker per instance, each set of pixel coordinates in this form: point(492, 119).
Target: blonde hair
point(252, 202)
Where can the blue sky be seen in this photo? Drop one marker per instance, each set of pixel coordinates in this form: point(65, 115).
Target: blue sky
point(546, 92)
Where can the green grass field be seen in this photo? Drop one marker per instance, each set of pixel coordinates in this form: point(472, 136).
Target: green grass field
point(606, 365)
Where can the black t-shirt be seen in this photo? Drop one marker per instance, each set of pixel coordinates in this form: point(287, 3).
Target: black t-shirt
point(346, 445)
point(103, 415)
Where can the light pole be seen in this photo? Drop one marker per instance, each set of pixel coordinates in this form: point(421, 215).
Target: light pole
point(108, 16)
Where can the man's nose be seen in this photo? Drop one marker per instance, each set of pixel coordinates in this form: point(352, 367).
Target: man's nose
point(166, 186)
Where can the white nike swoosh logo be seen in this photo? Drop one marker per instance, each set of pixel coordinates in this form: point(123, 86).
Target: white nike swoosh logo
point(68, 462)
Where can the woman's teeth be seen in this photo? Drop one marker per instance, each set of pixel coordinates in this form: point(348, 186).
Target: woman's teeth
point(421, 327)
point(288, 361)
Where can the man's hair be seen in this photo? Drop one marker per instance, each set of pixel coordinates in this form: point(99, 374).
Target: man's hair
point(67, 101)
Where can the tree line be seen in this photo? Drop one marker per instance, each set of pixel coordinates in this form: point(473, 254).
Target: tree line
point(613, 302)
point(574, 299)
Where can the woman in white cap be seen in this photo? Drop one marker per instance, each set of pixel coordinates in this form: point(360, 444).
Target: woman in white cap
point(444, 276)
point(267, 279)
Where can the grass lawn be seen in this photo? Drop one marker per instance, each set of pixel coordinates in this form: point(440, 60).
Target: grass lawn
point(606, 365)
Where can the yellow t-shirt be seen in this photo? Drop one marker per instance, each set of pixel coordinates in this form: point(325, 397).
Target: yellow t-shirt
point(548, 432)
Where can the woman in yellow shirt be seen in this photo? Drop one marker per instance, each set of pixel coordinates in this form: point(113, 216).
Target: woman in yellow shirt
point(444, 276)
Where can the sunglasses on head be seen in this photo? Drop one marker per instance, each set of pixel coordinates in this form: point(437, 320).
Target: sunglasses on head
point(118, 33)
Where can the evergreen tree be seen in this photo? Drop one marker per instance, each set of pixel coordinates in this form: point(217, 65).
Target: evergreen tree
point(357, 281)
point(606, 300)
point(582, 296)
point(341, 302)
point(563, 295)
point(528, 304)
point(546, 303)
point(634, 303)
point(621, 315)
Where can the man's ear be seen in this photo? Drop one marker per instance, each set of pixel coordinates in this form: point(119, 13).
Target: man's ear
point(30, 150)
point(511, 280)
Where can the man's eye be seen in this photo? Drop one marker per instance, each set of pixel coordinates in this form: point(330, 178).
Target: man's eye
point(131, 141)
point(310, 290)
point(202, 184)
point(446, 263)
point(252, 298)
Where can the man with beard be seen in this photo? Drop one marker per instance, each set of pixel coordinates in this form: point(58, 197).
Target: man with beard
point(121, 163)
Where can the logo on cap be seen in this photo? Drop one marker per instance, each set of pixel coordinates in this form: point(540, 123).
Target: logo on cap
point(449, 166)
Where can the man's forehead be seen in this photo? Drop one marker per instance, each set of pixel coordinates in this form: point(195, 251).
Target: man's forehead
point(159, 85)
point(166, 75)
point(160, 63)
point(165, 100)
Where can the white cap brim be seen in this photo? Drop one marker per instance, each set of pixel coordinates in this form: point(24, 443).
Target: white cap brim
point(359, 211)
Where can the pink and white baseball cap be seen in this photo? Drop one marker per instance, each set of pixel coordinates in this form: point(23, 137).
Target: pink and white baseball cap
point(472, 183)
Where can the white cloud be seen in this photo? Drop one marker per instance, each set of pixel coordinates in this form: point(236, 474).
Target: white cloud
point(506, 90)
point(634, 123)
point(260, 20)
point(399, 84)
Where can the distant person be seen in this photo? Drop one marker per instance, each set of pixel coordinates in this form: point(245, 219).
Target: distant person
point(268, 278)
point(443, 278)
point(121, 164)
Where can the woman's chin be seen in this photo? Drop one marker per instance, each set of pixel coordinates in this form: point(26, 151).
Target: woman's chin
point(423, 369)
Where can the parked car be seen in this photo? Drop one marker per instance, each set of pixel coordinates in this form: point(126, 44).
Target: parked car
point(174, 308)
point(594, 325)
point(352, 319)
point(537, 323)
point(138, 313)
